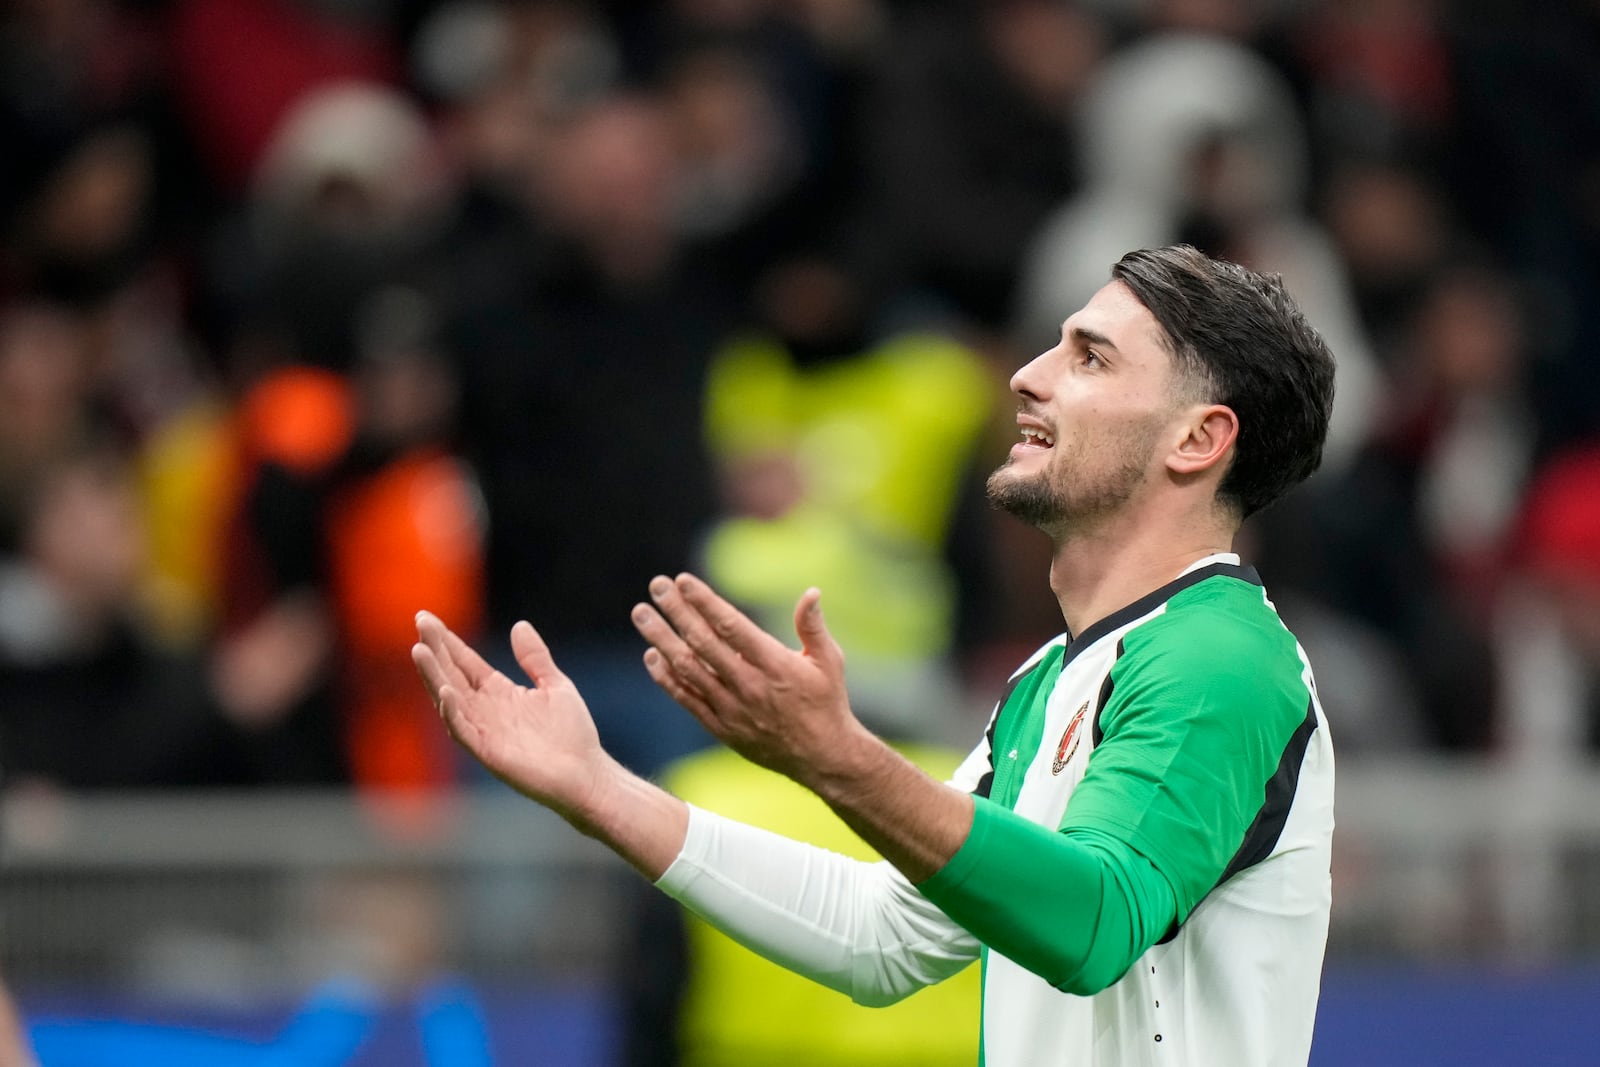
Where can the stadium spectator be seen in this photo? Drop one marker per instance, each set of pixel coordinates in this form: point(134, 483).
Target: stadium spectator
point(92, 702)
point(969, 145)
point(582, 411)
point(1391, 227)
point(767, 104)
point(340, 490)
point(502, 79)
point(1423, 555)
point(814, 490)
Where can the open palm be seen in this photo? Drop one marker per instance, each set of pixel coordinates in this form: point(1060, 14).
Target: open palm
point(538, 739)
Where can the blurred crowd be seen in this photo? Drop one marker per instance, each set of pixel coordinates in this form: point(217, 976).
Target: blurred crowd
point(317, 312)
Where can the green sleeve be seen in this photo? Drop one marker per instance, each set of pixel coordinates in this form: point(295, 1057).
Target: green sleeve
point(1114, 903)
point(1202, 708)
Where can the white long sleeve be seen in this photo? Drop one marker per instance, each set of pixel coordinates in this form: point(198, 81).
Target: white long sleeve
point(860, 928)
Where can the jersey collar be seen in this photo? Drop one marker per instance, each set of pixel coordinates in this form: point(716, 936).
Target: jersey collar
point(1221, 563)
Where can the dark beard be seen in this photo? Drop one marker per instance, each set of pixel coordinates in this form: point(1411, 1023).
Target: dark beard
point(1029, 500)
point(1039, 503)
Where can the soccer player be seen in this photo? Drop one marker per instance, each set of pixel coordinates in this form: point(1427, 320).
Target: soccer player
point(1138, 848)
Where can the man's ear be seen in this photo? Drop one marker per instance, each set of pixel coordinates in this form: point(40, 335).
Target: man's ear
point(1208, 440)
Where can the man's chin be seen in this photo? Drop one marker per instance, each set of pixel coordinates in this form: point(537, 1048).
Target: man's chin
point(1028, 499)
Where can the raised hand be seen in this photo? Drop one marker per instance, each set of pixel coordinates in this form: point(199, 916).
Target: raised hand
point(783, 709)
point(540, 740)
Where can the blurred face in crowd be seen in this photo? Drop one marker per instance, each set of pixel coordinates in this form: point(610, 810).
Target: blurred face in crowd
point(1048, 50)
point(1386, 221)
point(1094, 414)
point(86, 533)
point(94, 203)
point(1468, 335)
point(43, 381)
point(613, 171)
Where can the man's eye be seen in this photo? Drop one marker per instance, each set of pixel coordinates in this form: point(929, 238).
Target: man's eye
point(1092, 358)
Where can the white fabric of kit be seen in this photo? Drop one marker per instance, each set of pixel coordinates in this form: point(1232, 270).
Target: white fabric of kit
point(859, 928)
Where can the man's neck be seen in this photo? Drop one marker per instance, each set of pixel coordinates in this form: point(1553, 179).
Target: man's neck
point(1094, 573)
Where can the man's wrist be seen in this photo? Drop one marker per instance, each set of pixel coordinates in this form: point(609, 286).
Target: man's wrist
point(640, 821)
point(913, 821)
point(851, 769)
point(598, 806)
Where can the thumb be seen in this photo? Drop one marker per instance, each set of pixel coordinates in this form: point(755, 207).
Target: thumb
point(815, 640)
point(533, 655)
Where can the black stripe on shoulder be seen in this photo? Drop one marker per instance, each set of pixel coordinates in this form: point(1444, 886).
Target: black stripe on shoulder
point(1150, 601)
point(1265, 829)
point(1105, 697)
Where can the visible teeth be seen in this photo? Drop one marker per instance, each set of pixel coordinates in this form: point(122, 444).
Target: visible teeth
point(1047, 440)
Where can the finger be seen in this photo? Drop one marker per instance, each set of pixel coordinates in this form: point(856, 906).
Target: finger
point(533, 655)
point(815, 640)
point(452, 709)
point(433, 676)
point(431, 633)
point(690, 670)
point(446, 698)
point(455, 654)
point(656, 665)
point(720, 632)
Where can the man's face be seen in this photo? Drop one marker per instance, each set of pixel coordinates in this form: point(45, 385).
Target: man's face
point(1095, 413)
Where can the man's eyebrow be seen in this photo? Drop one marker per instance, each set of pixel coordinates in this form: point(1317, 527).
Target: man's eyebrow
point(1092, 337)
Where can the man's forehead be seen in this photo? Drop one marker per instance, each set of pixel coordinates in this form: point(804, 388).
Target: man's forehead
point(1117, 315)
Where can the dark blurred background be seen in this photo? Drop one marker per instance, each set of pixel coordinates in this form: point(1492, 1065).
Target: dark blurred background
point(317, 312)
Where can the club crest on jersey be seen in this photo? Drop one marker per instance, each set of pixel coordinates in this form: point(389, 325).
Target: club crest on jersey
point(1069, 741)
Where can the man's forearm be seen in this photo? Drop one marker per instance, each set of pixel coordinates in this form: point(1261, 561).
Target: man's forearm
point(909, 818)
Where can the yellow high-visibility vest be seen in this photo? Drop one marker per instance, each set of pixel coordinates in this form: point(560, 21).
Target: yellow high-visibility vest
point(883, 442)
point(739, 1010)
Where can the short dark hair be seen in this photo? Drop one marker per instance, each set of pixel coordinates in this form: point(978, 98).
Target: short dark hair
point(1243, 341)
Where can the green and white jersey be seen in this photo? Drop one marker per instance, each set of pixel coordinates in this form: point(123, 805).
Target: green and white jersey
point(1187, 725)
point(1146, 880)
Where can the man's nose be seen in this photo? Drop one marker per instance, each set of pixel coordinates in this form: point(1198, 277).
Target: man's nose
point(1030, 378)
